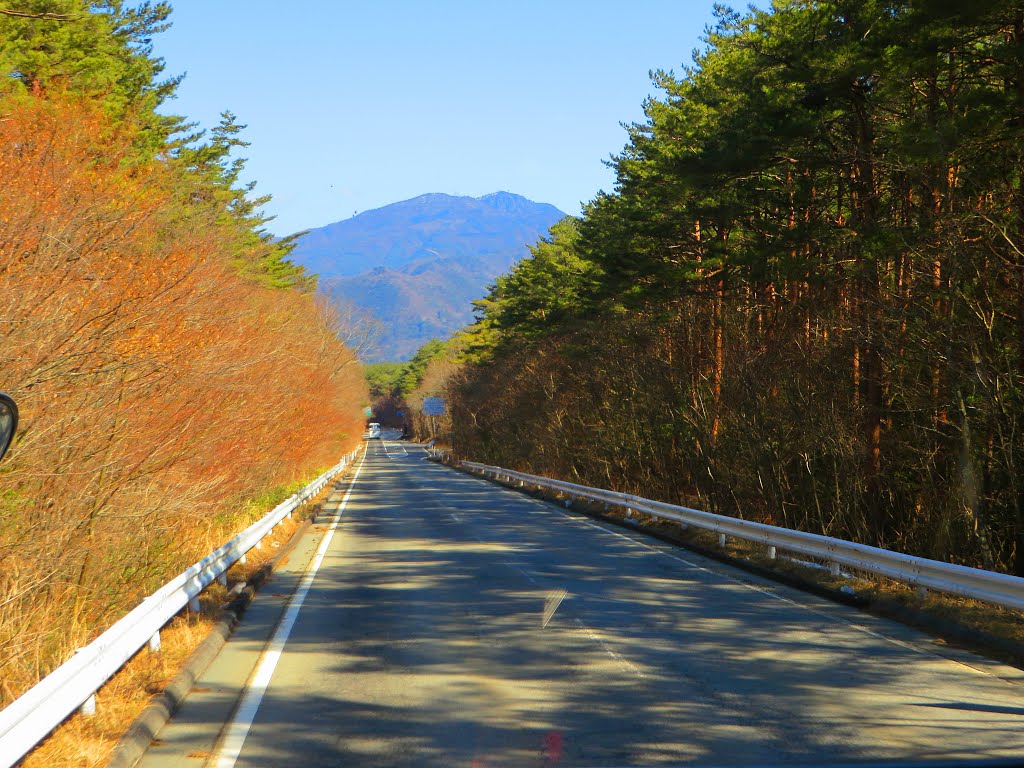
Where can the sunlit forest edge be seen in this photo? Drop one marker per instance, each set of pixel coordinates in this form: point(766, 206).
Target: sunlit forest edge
point(803, 301)
point(173, 370)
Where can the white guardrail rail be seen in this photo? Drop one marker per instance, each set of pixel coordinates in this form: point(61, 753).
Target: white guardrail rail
point(988, 586)
point(29, 719)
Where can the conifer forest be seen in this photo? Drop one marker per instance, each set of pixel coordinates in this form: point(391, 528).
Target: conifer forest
point(802, 302)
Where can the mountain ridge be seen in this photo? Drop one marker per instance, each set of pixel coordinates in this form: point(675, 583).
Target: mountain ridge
point(417, 264)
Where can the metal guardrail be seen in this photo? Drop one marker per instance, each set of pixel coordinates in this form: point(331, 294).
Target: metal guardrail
point(29, 719)
point(988, 586)
point(434, 453)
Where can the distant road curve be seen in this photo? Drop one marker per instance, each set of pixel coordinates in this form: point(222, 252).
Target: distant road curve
point(451, 622)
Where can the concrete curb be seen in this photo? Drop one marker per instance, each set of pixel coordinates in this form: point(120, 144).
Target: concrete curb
point(140, 734)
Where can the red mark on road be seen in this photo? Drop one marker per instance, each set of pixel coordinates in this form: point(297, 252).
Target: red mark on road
point(553, 747)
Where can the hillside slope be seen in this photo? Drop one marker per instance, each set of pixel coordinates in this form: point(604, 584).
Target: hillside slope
point(417, 265)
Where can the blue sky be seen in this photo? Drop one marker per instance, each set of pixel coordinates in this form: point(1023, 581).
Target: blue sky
point(351, 106)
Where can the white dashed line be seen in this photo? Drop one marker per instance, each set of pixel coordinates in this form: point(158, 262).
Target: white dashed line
point(549, 507)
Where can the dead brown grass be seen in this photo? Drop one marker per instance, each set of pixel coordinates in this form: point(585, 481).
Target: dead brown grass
point(87, 741)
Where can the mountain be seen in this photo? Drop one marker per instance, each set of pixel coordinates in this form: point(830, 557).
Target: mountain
point(418, 264)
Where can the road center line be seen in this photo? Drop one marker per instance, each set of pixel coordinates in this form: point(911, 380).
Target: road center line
point(234, 737)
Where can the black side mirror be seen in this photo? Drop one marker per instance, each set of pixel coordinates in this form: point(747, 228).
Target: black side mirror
point(8, 421)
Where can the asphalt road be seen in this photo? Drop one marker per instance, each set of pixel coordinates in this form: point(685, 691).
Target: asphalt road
point(452, 622)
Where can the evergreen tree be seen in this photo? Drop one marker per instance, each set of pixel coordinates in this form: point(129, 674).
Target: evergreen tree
point(809, 273)
point(103, 51)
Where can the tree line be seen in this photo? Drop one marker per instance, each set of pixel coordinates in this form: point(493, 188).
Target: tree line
point(803, 301)
point(170, 363)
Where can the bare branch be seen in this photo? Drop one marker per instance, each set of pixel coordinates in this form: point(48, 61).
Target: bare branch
point(42, 16)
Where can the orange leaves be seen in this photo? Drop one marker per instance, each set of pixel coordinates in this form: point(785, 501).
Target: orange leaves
point(158, 388)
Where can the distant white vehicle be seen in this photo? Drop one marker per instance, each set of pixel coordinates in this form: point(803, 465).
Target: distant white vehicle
point(373, 430)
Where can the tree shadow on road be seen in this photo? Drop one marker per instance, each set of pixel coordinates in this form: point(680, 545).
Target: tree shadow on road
point(466, 625)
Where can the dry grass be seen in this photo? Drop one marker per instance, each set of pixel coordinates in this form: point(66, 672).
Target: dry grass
point(87, 741)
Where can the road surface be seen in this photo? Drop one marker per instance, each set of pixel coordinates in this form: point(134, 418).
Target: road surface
point(451, 622)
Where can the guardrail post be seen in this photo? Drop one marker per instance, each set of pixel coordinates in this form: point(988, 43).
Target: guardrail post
point(834, 569)
point(222, 579)
point(771, 553)
point(722, 539)
point(88, 708)
point(106, 654)
point(242, 559)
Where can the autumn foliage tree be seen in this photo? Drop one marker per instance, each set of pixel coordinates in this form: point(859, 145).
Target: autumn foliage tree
point(163, 376)
point(169, 362)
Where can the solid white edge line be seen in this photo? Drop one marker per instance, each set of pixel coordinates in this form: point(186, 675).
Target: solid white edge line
point(768, 590)
point(230, 746)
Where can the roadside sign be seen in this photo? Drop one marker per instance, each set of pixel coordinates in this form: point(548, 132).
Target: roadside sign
point(434, 406)
point(367, 411)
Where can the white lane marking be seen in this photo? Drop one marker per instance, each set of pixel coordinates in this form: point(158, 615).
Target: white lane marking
point(551, 603)
point(769, 592)
point(550, 507)
point(234, 738)
point(756, 587)
point(395, 448)
point(619, 659)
